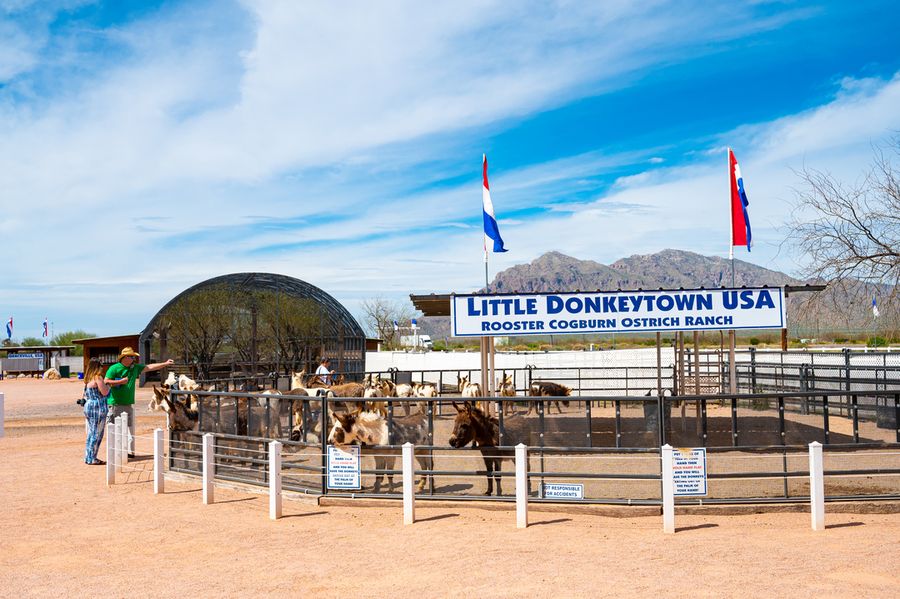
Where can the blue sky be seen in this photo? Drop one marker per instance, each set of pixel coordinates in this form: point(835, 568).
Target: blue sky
point(147, 146)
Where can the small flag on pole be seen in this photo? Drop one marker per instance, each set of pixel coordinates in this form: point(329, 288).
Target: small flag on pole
point(491, 231)
point(9, 328)
point(396, 326)
point(740, 219)
point(874, 308)
point(46, 328)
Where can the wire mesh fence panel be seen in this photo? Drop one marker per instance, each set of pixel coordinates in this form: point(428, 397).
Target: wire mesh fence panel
point(597, 477)
point(757, 475)
point(866, 473)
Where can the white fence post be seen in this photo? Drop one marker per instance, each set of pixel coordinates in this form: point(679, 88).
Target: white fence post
point(817, 486)
point(668, 489)
point(521, 486)
point(110, 454)
point(208, 468)
point(2, 415)
point(125, 433)
point(274, 480)
point(159, 484)
point(409, 476)
point(117, 424)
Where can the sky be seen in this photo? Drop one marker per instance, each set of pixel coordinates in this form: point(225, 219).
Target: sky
point(147, 146)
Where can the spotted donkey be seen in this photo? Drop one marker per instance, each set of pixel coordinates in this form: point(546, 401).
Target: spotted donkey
point(371, 429)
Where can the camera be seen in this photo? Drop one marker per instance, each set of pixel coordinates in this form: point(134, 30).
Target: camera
point(81, 401)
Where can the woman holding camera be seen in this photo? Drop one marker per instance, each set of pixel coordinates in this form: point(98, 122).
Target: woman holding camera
point(96, 393)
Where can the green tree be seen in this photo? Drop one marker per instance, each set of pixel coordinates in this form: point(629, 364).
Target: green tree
point(31, 341)
point(66, 338)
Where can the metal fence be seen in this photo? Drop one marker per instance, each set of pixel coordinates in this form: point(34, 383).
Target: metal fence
point(757, 444)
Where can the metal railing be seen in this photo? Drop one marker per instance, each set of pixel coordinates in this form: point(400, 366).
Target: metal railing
point(621, 440)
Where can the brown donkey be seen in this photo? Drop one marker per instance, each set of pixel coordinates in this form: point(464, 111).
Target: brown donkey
point(473, 426)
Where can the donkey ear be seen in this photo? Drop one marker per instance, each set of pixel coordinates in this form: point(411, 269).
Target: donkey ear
point(469, 405)
point(458, 409)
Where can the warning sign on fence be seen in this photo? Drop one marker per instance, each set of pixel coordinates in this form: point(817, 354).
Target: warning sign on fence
point(563, 491)
point(343, 467)
point(689, 471)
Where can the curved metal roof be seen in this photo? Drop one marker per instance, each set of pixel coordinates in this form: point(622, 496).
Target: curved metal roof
point(340, 321)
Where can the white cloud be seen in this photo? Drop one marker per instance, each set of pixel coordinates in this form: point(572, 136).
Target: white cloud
point(304, 110)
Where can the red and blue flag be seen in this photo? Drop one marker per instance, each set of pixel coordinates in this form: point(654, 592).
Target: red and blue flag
point(740, 219)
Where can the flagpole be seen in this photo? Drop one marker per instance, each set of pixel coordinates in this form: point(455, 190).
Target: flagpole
point(731, 213)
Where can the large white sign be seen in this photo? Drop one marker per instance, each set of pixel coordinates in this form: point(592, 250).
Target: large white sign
point(689, 471)
point(343, 467)
point(617, 312)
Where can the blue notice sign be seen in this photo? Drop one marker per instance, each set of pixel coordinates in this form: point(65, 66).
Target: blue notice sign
point(689, 471)
point(343, 467)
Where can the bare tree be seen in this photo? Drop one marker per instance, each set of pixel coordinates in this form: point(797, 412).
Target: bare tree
point(849, 237)
point(380, 315)
point(850, 234)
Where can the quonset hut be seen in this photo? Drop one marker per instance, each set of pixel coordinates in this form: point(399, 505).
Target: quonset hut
point(253, 326)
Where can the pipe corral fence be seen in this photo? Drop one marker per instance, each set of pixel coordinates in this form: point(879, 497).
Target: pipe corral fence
point(606, 439)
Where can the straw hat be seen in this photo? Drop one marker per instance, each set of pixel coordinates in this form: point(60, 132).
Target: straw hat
point(128, 352)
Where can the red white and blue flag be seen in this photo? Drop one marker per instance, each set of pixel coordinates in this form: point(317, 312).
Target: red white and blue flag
point(46, 328)
point(740, 219)
point(491, 231)
point(9, 328)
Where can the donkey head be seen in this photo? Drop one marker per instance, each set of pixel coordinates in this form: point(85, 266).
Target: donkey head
point(468, 426)
point(343, 431)
point(179, 417)
point(298, 379)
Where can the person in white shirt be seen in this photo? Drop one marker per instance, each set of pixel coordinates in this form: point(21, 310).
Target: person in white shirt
point(323, 372)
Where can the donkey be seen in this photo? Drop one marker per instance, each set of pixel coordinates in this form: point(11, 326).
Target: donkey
point(473, 426)
point(371, 428)
point(179, 417)
point(548, 389)
point(507, 388)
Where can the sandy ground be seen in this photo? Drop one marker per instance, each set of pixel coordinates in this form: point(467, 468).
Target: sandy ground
point(64, 533)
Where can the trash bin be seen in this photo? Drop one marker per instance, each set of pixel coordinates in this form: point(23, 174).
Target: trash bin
point(64, 371)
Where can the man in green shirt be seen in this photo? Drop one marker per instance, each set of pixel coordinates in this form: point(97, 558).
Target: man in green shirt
point(121, 378)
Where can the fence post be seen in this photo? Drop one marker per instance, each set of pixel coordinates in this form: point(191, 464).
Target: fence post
point(126, 441)
point(668, 490)
point(521, 486)
point(158, 478)
point(816, 486)
point(118, 437)
point(208, 468)
point(2, 415)
point(409, 476)
point(752, 370)
point(111, 453)
point(274, 480)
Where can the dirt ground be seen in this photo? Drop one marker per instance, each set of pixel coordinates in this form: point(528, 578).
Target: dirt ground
point(64, 533)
